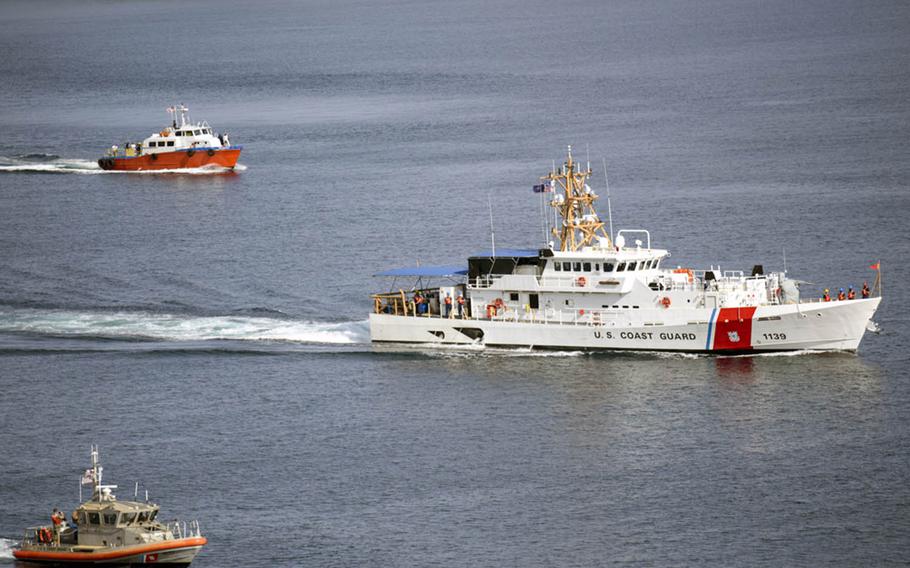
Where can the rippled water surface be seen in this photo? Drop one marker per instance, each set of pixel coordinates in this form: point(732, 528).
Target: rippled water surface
point(209, 331)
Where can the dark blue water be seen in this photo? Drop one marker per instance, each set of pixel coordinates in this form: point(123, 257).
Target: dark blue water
point(209, 330)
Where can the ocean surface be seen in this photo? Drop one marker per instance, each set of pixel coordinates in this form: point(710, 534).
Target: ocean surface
point(208, 330)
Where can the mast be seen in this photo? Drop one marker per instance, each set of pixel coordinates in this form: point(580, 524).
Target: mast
point(580, 223)
point(96, 474)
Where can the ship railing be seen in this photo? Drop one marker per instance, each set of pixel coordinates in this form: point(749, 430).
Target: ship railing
point(183, 529)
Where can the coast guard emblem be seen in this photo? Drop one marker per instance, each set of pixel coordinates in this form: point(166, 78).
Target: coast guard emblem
point(734, 336)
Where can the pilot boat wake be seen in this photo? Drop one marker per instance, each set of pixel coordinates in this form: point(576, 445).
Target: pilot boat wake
point(594, 292)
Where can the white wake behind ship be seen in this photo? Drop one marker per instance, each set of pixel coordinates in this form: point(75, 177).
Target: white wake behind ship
point(595, 292)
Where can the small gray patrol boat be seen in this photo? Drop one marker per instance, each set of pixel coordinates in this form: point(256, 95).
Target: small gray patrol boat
point(111, 532)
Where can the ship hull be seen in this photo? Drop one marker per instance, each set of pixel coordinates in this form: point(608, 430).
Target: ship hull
point(172, 553)
point(178, 160)
point(831, 326)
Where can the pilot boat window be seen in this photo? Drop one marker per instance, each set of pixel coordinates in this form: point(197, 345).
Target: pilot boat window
point(621, 267)
point(577, 267)
point(143, 517)
point(153, 515)
point(608, 267)
point(513, 296)
point(170, 142)
point(110, 519)
point(128, 518)
point(631, 266)
point(178, 133)
point(567, 266)
point(196, 133)
point(94, 519)
point(587, 267)
point(557, 266)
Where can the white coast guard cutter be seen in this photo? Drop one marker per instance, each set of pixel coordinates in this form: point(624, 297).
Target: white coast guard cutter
point(594, 292)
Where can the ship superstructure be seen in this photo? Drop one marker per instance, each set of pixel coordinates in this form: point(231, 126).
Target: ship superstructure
point(589, 292)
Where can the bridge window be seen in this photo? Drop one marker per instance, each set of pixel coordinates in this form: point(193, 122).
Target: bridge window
point(513, 296)
point(557, 266)
point(94, 519)
point(143, 516)
point(631, 266)
point(110, 519)
point(170, 142)
point(128, 518)
point(577, 267)
point(621, 267)
point(587, 267)
point(608, 267)
point(196, 133)
point(567, 266)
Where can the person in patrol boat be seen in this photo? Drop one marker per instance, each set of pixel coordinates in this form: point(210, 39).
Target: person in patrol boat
point(851, 293)
point(865, 290)
point(841, 295)
point(448, 305)
point(460, 302)
point(827, 296)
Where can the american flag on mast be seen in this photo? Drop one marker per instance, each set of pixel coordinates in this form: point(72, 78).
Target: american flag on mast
point(88, 477)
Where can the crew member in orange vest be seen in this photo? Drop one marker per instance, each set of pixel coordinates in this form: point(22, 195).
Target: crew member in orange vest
point(840, 295)
point(448, 304)
point(826, 297)
point(460, 301)
point(851, 293)
point(865, 290)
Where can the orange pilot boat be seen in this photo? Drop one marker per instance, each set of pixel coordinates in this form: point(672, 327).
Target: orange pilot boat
point(107, 531)
point(182, 145)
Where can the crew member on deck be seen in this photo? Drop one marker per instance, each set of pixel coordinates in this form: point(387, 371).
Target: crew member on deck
point(840, 295)
point(460, 301)
point(448, 304)
point(851, 293)
point(57, 517)
point(865, 290)
point(827, 296)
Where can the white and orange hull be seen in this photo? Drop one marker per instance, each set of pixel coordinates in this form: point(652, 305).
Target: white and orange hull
point(831, 326)
point(177, 160)
point(176, 552)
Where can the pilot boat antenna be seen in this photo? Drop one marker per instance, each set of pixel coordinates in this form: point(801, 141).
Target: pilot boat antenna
point(580, 223)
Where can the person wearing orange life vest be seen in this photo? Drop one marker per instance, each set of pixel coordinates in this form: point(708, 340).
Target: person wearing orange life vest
point(851, 293)
point(448, 305)
point(865, 290)
point(58, 518)
point(840, 295)
point(827, 296)
point(460, 302)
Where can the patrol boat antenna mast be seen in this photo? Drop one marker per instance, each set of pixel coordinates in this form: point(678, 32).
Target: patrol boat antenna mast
point(580, 223)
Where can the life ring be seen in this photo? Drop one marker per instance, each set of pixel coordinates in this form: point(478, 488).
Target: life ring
point(581, 281)
point(491, 311)
point(190, 152)
point(163, 133)
point(44, 535)
point(665, 301)
point(581, 312)
point(211, 152)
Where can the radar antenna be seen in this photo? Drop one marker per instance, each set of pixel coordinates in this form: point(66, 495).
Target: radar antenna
point(580, 224)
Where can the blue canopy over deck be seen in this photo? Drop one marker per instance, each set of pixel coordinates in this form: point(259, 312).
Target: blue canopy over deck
point(508, 253)
point(427, 271)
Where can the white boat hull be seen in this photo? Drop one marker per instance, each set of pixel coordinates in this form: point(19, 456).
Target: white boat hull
point(828, 326)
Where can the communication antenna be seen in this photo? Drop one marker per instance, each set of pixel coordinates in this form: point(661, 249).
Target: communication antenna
point(609, 206)
point(785, 259)
point(492, 234)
